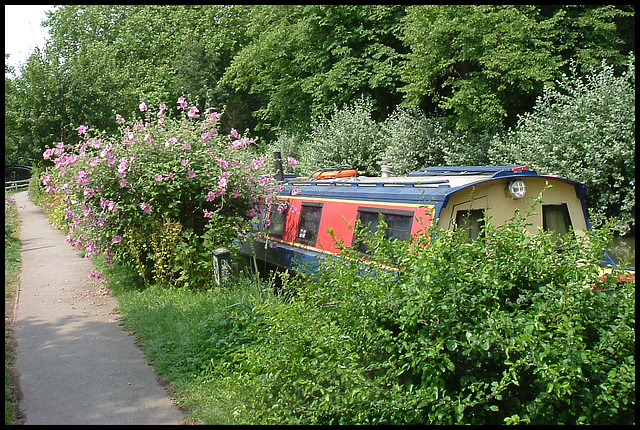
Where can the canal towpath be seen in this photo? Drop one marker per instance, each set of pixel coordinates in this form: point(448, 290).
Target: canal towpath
point(75, 362)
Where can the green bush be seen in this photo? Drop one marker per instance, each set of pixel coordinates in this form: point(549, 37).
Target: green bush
point(413, 141)
point(349, 137)
point(502, 330)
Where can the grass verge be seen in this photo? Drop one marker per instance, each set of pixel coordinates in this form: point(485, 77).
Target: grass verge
point(12, 267)
point(188, 334)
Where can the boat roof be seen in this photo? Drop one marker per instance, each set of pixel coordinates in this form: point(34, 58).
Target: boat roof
point(430, 184)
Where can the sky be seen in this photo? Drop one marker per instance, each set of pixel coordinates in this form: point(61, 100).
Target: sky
point(22, 31)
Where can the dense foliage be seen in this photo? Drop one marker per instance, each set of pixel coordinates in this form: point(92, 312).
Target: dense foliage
point(12, 266)
point(487, 63)
point(275, 67)
point(502, 330)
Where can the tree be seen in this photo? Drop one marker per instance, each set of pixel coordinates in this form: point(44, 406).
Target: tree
point(34, 110)
point(485, 64)
point(306, 59)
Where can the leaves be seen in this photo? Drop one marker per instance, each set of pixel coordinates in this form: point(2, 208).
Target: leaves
point(466, 334)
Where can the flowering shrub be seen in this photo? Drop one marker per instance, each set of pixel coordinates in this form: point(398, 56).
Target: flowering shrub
point(118, 193)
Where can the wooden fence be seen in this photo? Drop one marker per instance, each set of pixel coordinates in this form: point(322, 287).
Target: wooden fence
point(14, 185)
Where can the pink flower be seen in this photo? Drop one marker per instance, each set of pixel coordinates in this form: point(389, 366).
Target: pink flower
point(234, 133)
point(48, 153)
point(68, 238)
point(82, 129)
point(163, 107)
point(211, 196)
point(295, 191)
point(193, 112)
point(82, 178)
point(292, 161)
point(158, 177)
point(257, 163)
point(222, 182)
point(143, 107)
point(213, 117)
point(185, 162)
point(223, 163)
point(119, 119)
point(117, 239)
point(207, 214)
point(146, 207)
point(182, 103)
point(191, 174)
point(93, 274)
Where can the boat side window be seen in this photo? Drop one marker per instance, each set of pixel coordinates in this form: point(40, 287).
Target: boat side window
point(472, 221)
point(556, 218)
point(398, 222)
point(310, 215)
point(278, 218)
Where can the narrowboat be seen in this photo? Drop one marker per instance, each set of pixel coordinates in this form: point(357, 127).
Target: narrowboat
point(299, 220)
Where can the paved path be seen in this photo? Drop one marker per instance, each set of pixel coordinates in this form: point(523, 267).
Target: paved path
point(76, 363)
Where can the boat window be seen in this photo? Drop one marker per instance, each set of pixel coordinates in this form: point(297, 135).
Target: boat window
point(556, 218)
point(472, 221)
point(278, 217)
point(398, 222)
point(310, 215)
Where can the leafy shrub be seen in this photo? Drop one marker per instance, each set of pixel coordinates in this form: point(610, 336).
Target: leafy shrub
point(349, 137)
point(165, 183)
point(407, 140)
point(502, 330)
point(413, 141)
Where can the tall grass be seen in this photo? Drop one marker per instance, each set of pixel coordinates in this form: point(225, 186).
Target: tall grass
point(12, 266)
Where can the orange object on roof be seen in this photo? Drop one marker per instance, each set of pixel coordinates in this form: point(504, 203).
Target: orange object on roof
point(332, 173)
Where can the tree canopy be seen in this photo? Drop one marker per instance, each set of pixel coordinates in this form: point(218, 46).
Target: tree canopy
point(273, 68)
